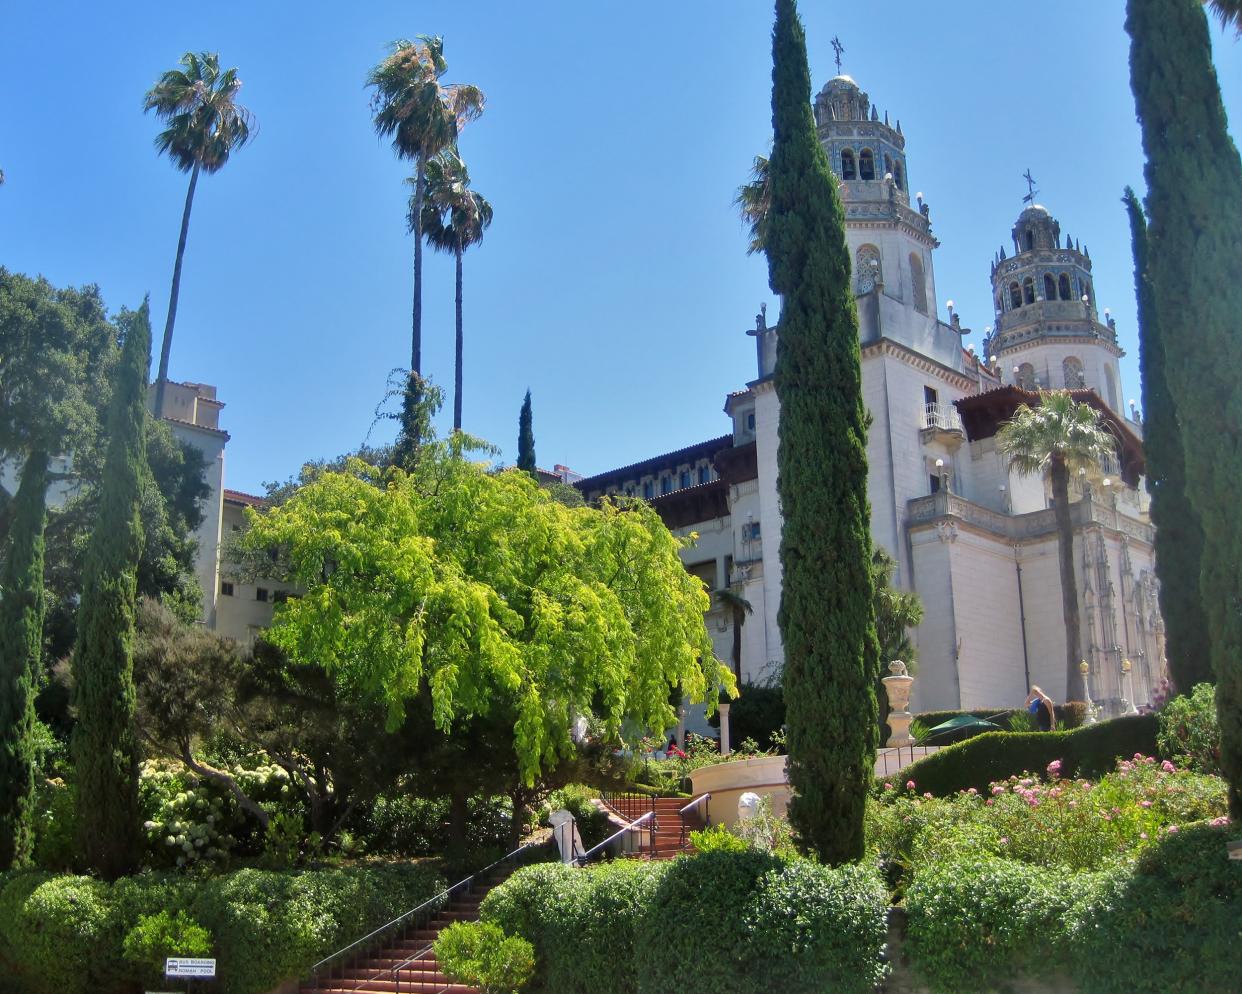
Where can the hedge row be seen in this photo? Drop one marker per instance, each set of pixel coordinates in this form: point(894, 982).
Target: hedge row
point(718, 923)
point(1168, 924)
point(64, 934)
point(1090, 751)
point(1070, 715)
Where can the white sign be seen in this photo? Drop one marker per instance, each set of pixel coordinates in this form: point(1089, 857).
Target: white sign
point(178, 966)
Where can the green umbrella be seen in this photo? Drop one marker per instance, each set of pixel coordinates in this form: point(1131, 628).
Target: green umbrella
point(960, 722)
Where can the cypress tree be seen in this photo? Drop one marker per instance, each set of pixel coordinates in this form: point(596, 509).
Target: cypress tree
point(21, 643)
point(826, 615)
point(105, 746)
point(1194, 184)
point(526, 438)
point(1179, 534)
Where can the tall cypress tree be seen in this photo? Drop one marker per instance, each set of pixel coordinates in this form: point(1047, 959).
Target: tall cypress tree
point(526, 438)
point(1194, 184)
point(105, 746)
point(21, 641)
point(1179, 534)
point(826, 615)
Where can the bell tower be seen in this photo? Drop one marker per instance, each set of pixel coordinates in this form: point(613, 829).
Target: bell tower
point(1048, 334)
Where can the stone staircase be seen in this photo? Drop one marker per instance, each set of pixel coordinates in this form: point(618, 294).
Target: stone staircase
point(406, 964)
point(671, 829)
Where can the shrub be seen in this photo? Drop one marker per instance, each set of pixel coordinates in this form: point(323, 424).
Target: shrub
point(593, 824)
point(717, 838)
point(1189, 732)
point(1167, 925)
point(55, 826)
point(481, 955)
point(757, 713)
point(1087, 751)
point(156, 937)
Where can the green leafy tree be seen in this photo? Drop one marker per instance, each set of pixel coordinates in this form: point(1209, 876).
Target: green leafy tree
point(473, 593)
point(754, 203)
point(1194, 182)
point(454, 218)
point(422, 116)
point(205, 125)
point(45, 336)
point(1179, 533)
point(1059, 437)
point(826, 615)
point(105, 746)
point(526, 438)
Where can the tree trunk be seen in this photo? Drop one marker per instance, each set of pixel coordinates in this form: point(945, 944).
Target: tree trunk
point(457, 368)
point(416, 340)
point(21, 645)
point(1069, 586)
point(739, 619)
point(166, 346)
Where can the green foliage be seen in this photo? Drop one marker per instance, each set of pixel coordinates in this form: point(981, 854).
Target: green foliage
point(1189, 732)
point(526, 437)
point(827, 617)
point(68, 935)
point(1179, 532)
point(55, 826)
point(104, 740)
point(478, 595)
point(645, 928)
point(1086, 751)
point(156, 937)
point(593, 824)
point(1192, 168)
point(765, 831)
point(481, 955)
point(717, 838)
point(758, 714)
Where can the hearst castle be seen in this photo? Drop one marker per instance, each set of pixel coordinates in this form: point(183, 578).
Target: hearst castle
point(975, 541)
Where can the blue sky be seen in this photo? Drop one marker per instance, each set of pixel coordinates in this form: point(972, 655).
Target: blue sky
point(614, 282)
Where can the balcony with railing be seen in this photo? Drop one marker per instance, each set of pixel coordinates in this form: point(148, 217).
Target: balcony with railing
point(943, 423)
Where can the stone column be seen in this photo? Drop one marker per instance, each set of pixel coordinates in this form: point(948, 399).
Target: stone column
point(725, 748)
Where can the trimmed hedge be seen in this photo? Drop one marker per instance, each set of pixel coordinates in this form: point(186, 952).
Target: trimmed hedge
point(1070, 715)
point(716, 923)
point(65, 934)
point(1090, 751)
point(1167, 924)
point(758, 712)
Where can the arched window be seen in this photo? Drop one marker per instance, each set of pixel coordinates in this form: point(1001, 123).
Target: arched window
point(847, 165)
point(1015, 295)
point(888, 165)
point(1030, 239)
point(866, 164)
point(1064, 286)
point(1072, 368)
point(899, 176)
point(1026, 377)
point(1050, 287)
point(1028, 291)
point(1000, 303)
point(868, 270)
point(918, 283)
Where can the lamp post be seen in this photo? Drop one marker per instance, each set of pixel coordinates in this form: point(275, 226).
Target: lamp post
point(1127, 672)
point(1085, 670)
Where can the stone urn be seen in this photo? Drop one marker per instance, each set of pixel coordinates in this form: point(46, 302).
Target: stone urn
point(897, 686)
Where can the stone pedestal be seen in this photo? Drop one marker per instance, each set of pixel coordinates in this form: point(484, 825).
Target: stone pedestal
point(897, 686)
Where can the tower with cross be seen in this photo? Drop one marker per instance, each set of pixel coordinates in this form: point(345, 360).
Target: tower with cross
point(839, 49)
point(1030, 188)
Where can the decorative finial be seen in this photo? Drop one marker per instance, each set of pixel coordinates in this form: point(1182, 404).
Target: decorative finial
point(839, 49)
point(1030, 187)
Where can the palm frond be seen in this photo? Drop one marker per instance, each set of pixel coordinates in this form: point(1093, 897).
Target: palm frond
point(454, 216)
point(754, 201)
point(198, 102)
point(1059, 427)
point(1229, 12)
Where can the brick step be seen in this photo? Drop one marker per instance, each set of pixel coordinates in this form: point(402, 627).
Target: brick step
point(388, 987)
point(412, 972)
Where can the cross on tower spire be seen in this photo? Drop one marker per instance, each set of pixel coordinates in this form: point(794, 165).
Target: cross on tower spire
point(1030, 187)
point(838, 48)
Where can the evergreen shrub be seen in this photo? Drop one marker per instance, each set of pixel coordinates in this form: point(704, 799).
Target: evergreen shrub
point(481, 955)
point(723, 922)
point(1088, 751)
point(1190, 732)
point(67, 934)
point(758, 713)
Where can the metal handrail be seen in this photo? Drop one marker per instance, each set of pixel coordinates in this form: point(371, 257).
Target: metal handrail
point(681, 814)
point(438, 901)
point(612, 838)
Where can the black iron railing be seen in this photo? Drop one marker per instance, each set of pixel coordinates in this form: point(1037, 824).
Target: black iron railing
point(705, 814)
point(636, 825)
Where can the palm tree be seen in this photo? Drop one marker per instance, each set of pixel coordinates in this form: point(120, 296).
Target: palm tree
point(896, 612)
point(422, 116)
point(740, 607)
point(753, 201)
point(454, 217)
point(205, 125)
point(1058, 437)
point(1229, 12)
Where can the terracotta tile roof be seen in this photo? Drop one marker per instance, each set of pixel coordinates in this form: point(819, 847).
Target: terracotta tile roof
point(667, 460)
point(250, 500)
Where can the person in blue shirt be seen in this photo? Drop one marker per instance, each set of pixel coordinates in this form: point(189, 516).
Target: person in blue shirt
point(1042, 710)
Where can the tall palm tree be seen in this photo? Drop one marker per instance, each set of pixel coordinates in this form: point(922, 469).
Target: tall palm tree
point(1059, 437)
point(1229, 12)
point(422, 116)
point(753, 201)
point(205, 125)
point(740, 607)
point(454, 217)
